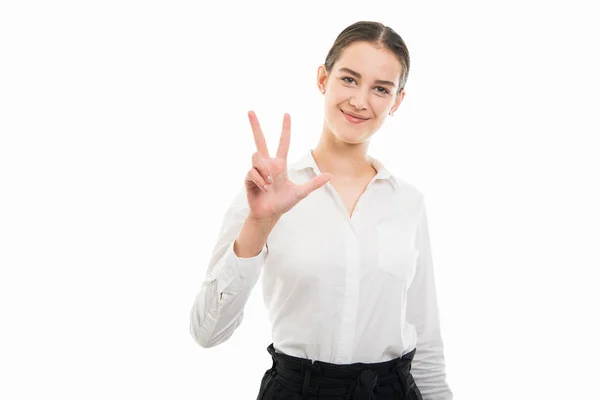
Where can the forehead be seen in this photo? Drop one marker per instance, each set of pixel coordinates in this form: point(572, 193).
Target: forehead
point(370, 61)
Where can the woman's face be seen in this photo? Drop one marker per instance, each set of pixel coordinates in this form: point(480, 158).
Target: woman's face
point(364, 81)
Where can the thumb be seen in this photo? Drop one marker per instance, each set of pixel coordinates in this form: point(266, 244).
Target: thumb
point(314, 184)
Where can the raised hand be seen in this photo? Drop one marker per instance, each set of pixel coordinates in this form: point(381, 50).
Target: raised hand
point(271, 198)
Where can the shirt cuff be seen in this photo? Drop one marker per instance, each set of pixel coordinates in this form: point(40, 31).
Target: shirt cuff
point(233, 273)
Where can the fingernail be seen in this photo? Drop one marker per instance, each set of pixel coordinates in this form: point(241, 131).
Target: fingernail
point(266, 187)
point(270, 179)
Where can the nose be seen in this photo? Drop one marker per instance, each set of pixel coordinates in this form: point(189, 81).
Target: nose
point(359, 99)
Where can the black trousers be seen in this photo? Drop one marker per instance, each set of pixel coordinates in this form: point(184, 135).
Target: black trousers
point(293, 378)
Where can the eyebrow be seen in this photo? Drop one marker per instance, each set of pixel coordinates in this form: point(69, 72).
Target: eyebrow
point(356, 74)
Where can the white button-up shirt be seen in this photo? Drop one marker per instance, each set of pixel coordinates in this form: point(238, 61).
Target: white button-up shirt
point(338, 289)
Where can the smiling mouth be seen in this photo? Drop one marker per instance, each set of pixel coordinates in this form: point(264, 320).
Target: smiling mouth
point(352, 119)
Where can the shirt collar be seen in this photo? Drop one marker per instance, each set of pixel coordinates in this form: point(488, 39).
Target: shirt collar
point(308, 161)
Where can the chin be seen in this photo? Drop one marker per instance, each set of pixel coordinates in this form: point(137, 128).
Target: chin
point(350, 136)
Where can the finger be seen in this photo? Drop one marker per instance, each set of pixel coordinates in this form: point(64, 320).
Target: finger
point(259, 138)
point(284, 141)
point(255, 177)
point(259, 164)
point(309, 187)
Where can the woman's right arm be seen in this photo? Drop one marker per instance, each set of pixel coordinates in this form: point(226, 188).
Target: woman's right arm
point(232, 273)
point(241, 249)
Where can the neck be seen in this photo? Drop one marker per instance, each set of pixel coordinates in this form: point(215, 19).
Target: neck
point(344, 161)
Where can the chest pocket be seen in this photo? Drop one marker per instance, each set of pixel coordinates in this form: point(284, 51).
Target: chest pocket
point(396, 251)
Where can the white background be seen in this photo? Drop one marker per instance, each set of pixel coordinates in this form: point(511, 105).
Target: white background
point(124, 137)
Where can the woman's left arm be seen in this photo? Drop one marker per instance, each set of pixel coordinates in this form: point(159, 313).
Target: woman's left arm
point(428, 365)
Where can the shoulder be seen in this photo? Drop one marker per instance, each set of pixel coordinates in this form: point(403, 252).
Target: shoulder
point(408, 196)
point(403, 185)
point(407, 186)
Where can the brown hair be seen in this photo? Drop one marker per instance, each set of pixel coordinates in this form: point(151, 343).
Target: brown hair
point(377, 34)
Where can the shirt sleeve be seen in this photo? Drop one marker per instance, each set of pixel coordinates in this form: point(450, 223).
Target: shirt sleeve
point(428, 365)
point(218, 308)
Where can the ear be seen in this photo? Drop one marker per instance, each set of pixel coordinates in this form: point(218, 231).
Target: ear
point(399, 98)
point(321, 77)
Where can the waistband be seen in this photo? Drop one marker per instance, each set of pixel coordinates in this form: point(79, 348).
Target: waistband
point(357, 380)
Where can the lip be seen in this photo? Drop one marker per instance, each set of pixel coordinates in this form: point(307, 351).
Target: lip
point(355, 119)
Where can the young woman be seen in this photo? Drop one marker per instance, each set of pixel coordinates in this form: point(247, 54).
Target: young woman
point(342, 244)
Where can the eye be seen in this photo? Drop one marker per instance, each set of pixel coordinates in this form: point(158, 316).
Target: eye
point(382, 91)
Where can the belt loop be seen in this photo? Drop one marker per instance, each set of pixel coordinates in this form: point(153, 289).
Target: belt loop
point(274, 366)
point(410, 383)
point(307, 368)
point(403, 375)
point(366, 383)
point(271, 351)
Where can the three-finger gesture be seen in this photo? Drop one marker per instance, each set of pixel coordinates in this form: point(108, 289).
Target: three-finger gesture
point(270, 193)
